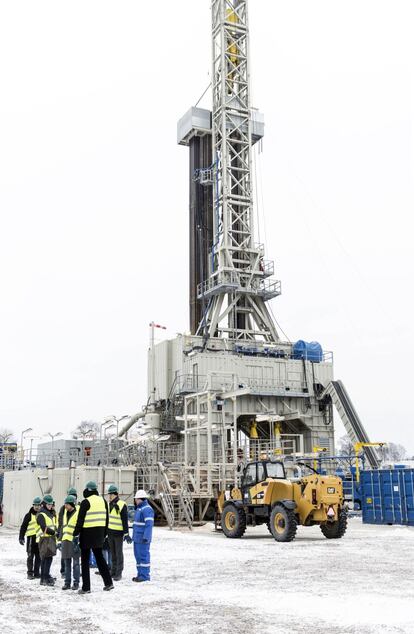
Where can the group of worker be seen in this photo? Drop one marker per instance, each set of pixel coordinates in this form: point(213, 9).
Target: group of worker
point(84, 527)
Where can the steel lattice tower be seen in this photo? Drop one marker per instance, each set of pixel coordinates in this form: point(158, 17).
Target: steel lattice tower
point(238, 285)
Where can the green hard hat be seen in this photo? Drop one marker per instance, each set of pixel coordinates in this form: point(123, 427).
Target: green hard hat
point(112, 488)
point(70, 499)
point(48, 499)
point(37, 500)
point(72, 491)
point(91, 486)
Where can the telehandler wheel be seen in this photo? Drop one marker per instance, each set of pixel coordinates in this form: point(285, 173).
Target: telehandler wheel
point(336, 530)
point(283, 524)
point(233, 521)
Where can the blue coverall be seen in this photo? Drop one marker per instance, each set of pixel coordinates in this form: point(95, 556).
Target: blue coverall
point(141, 536)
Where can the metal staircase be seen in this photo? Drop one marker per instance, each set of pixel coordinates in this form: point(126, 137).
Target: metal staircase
point(335, 390)
point(177, 504)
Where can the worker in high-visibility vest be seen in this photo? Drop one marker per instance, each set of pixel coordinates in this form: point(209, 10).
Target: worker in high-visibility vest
point(92, 528)
point(118, 531)
point(46, 538)
point(28, 529)
point(69, 545)
point(70, 491)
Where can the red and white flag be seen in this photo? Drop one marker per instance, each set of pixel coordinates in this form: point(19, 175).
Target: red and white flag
point(154, 325)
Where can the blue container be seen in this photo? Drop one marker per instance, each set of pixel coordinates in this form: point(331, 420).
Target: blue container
point(388, 496)
point(310, 351)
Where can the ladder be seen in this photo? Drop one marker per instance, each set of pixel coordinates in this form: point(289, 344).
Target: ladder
point(166, 497)
point(186, 501)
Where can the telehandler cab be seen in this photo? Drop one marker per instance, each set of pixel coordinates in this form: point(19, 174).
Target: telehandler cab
point(266, 496)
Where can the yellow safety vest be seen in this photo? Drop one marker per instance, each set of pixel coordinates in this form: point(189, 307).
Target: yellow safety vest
point(115, 520)
point(69, 526)
point(49, 522)
point(96, 514)
point(32, 527)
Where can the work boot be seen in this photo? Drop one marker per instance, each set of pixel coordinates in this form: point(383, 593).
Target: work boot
point(36, 575)
point(81, 591)
point(42, 582)
point(49, 582)
point(117, 578)
point(110, 587)
point(30, 574)
point(66, 586)
point(75, 586)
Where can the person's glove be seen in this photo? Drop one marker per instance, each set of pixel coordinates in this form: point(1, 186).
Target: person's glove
point(21, 541)
point(127, 539)
point(59, 545)
point(50, 530)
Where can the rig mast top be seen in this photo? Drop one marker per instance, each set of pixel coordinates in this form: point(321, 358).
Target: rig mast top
point(239, 281)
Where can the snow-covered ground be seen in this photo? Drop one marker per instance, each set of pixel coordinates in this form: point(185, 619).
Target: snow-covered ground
point(205, 583)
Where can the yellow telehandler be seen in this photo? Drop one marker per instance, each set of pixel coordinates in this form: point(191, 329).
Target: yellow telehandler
point(266, 496)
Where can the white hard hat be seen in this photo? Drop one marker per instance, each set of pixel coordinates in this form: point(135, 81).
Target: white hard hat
point(141, 494)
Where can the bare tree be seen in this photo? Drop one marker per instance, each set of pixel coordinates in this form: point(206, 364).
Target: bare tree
point(346, 448)
point(6, 435)
point(394, 452)
point(86, 429)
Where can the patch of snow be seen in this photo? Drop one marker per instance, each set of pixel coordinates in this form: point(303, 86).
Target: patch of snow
point(203, 583)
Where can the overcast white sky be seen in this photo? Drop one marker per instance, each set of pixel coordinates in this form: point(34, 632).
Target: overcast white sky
point(94, 207)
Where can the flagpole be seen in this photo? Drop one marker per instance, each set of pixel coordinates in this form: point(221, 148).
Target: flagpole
point(152, 339)
point(152, 387)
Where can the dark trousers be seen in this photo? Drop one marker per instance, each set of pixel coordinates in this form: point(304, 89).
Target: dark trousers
point(73, 561)
point(116, 542)
point(100, 562)
point(45, 568)
point(33, 557)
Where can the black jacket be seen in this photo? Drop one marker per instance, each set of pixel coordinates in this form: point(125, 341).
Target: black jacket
point(42, 522)
point(124, 516)
point(90, 537)
point(25, 523)
point(60, 521)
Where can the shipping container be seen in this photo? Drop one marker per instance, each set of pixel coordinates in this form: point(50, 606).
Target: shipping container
point(388, 496)
point(20, 487)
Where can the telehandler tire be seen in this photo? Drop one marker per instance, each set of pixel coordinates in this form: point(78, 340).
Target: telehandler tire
point(283, 523)
point(336, 530)
point(233, 521)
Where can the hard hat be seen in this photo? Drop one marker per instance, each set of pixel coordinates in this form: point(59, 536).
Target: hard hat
point(72, 491)
point(47, 499)
point(112, 488)
point(141, 494)
point(70, 499)
point(91, 486)
point(37, 500)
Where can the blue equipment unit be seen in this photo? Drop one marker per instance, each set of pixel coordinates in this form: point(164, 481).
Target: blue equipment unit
point(388, 496)
point(308, 351)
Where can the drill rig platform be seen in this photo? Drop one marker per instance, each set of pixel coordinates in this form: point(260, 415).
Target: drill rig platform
point(231, 390)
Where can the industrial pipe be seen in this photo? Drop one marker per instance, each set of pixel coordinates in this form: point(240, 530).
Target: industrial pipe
point(131, 421)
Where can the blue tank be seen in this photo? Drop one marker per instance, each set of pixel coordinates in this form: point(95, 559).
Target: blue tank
point(310, 351)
